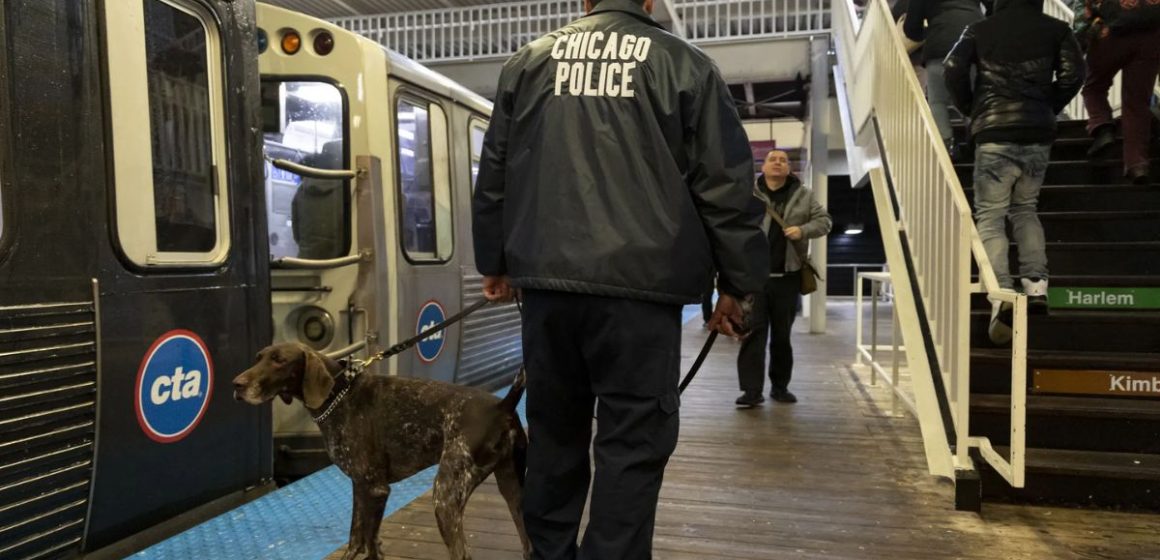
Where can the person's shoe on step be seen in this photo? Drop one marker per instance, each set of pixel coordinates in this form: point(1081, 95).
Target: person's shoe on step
point(1002, 317)
point(1139, 175)
point(1036, 290)
point(1103, 139)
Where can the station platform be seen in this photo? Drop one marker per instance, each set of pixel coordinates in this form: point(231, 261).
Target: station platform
point(836, 476)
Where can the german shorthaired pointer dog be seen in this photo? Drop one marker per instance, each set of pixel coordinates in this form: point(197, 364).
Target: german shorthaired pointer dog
point(381, 429)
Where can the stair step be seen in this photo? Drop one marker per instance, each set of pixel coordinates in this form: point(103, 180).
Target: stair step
point(1143, 298)
point(1076, 423)
point(1081, 331)
point(1127, 258)
point(1075, 407)
point(1091, 198)
point(1076, 148)
point(1095, 281)
point(1085, 478)
point(1122, 225)
point(991, 367)
point(1069, 172)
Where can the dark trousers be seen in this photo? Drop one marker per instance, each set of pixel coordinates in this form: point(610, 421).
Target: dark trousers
point(624, 356)
point(707, 305)
point(1138, 55)
point(774, 311)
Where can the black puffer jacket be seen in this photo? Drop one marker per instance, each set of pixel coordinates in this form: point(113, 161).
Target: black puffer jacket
point(946, 20)
point(1029, 67)
point(616, 164)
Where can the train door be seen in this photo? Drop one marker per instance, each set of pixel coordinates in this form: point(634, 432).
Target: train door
point(327, 239)
point(428, 263)
point(48, 326)
point(490, 347)
point(183, 297)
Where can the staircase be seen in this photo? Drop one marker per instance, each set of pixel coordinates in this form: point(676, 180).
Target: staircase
point(1087, 444)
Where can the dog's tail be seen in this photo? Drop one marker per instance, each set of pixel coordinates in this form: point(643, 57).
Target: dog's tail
point(509, 402)
point(508, 406)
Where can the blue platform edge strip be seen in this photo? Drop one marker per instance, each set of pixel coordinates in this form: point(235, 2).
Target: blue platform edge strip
point(308, 519)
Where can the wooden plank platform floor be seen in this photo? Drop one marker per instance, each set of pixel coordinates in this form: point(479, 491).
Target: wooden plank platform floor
point(835, 476)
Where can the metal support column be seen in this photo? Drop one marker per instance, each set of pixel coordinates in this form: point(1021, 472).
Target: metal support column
point(819, 111)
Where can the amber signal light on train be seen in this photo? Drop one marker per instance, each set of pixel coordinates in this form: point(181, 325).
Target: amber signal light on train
point(323, 43)
point(291, 42)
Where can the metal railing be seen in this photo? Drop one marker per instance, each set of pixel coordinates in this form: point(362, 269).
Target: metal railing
point(730, 20)
point(930, 240)
point(499, 30)
point(869, 352)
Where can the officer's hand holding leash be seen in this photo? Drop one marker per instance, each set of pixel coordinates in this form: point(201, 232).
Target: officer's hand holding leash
point(497, 289)
point(729, 318)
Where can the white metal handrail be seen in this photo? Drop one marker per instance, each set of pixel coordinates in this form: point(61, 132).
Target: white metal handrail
point(933, 223)
point(499, 30)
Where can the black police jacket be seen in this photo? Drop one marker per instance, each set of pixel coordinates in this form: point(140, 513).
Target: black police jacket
point(615, 164)
point(1029, 67)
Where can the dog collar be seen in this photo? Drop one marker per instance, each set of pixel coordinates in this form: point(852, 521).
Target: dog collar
point(342, 383)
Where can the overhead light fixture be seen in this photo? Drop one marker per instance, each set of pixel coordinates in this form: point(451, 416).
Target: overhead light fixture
point(853, 229)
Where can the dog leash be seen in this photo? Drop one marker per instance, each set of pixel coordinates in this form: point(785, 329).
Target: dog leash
point(404, 345)
point(410, 342)
point(697, 364)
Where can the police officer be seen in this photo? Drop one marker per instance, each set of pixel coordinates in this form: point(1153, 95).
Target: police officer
point(615, 177)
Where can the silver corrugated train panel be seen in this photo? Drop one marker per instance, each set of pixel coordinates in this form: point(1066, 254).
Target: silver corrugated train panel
point(492, 349)
point(48, 390)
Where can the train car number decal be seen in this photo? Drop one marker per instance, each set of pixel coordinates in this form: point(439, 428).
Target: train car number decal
point(174, 385)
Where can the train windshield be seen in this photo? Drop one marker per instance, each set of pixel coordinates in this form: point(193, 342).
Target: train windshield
point(305, 122)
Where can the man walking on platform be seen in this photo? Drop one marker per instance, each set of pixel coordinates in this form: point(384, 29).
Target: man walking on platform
point(615, 177)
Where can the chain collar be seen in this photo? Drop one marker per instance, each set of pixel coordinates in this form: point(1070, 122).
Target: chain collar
point(346, 378)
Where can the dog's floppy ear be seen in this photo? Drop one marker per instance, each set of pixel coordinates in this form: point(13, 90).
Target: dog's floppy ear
point(316, 381)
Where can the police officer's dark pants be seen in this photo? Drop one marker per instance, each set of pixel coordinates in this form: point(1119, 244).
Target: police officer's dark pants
point(624, 356)
point(774, 311)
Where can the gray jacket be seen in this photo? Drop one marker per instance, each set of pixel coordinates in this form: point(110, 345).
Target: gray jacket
point(802, 211)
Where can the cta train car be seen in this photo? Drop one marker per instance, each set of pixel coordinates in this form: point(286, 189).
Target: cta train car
point(133, 267)
point(167, 209)
point(371, 162)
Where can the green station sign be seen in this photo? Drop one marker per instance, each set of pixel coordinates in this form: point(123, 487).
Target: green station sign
point(1104, 298)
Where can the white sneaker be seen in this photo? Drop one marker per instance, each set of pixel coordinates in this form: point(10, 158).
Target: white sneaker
point(1000, 330)
point(1036, 291)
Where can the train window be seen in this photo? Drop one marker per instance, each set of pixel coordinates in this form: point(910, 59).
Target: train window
point(424, 181)
point(305, 122)
point(168, 132)
point(478, 130)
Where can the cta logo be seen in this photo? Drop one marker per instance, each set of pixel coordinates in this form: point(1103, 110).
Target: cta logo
point(174, 384)
point(429, 348)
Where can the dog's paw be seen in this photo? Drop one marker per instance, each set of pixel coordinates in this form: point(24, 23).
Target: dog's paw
point(360, 553)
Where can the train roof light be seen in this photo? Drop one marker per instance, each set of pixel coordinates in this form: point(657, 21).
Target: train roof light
point(323, 43)
point(291, 41)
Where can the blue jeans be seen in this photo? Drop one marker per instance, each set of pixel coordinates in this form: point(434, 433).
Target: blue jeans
point(1007, 182)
